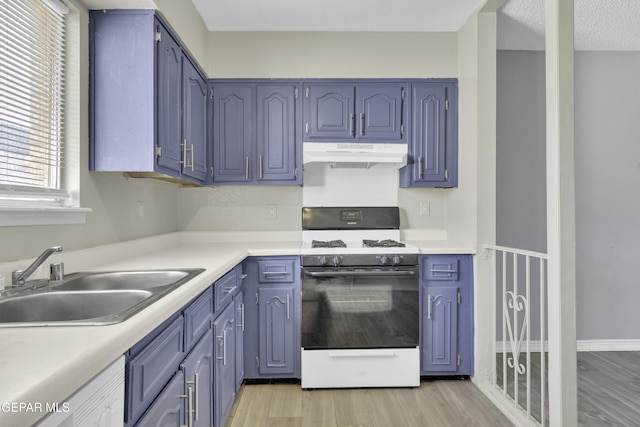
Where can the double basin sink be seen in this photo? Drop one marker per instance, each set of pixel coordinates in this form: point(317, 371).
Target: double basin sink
point(87, 299)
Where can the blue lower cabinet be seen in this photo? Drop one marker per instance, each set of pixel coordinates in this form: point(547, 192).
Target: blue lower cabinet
point(225, 374)
point(149, 370)
point(277, 331)
point(272, 317)
point(198, 373)
point(239, 337)
point(446, 315)
point(168, 410)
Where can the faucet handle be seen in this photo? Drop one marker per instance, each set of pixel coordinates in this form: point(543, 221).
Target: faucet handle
point(56, 271)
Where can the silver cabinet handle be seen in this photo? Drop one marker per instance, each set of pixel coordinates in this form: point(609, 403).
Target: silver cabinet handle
point(361, 123)
point(229, 290)
point(442, 271)
point(288, 311)
point(246, 167)
point(184, 152)
point(271, 273)
point(189, 397)
point(420, 171)
point(196, 392)
point(192, 158)
point(260, 166)
point(194, 410)
point(429, 306)
point(352, 119)
point(223, 338)
point(241, 311)
point(243, 276)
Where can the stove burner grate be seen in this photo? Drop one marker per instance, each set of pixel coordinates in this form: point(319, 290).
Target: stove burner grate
point(388, 243)
point(328, 244)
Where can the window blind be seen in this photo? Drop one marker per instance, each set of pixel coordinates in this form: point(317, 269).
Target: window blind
point(32, 70)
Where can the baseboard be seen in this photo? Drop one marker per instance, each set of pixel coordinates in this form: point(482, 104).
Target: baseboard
point(609, 345)
point(582, 345)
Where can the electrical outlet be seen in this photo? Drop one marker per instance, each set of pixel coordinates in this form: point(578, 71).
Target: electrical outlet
point(140, 211)
point(272, 211)
point(425, 208)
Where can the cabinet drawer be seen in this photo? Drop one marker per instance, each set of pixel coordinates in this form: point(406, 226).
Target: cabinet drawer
point(440, 268)
point(276, 271)
point(225, 288)
point(197, 318)
point(149, 371)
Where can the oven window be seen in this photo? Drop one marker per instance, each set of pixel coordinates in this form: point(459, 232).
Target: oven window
point(359, 312)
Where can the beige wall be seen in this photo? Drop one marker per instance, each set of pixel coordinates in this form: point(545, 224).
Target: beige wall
point(113, 198)
point(319, 55)
point(185, 20)
point(315, 55)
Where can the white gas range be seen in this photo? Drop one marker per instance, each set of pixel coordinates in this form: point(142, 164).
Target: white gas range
point(360, 300)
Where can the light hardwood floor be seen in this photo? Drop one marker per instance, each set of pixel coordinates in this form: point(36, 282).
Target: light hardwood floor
point(608, 388)
point(440, 403)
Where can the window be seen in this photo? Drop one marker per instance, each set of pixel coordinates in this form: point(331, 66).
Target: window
point(32, 104)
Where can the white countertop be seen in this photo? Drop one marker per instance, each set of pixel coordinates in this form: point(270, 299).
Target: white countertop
point(47, 364)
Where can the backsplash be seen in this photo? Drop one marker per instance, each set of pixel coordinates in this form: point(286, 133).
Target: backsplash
point(247, 208)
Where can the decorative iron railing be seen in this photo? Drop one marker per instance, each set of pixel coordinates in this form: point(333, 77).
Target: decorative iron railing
point(520, 329)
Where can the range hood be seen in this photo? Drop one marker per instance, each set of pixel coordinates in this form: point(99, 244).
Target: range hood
point(354, 155)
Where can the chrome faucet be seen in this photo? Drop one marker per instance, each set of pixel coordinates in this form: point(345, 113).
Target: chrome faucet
point(19, 277)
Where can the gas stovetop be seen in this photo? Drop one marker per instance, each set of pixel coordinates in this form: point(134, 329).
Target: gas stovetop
point(346, 231)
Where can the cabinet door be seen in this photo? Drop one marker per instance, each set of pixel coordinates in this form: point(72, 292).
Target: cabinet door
point(276, 133)
point(277, 329)
point(240, 326)
point(224, 376)
point(329, 112)
point(168, 410)
point(198, 372)
point(428, 152)
point(440, 326)
point(379, 112)
point(232, 133)
point(148, 372)
point(194, 118)
point(169, 98)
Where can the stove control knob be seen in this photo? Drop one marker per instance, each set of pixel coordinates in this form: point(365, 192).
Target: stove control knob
point(396, 260)
point(383, 259)
point(336, 261)
point(322, 260)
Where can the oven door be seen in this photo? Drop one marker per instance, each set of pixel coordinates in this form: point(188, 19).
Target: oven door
point(351, 308)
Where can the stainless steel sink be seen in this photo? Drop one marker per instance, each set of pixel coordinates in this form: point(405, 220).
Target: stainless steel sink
point(84, 299)
point(122, 280)
point(63, 307)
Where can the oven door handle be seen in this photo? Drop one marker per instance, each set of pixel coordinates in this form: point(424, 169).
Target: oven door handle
point(385, 273)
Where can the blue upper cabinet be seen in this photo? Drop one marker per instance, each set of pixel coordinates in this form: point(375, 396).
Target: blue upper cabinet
point(433, 147)
point(148, 102)
point(232, 133)
point(194, 119)
point(169, 95)
point(275, 137)
point(368, 112)
point(255, 133)
point(329, 112)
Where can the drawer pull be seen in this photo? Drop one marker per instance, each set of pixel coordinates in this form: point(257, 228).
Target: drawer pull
point(443, 271)
point(229, 289)
point(271, 273)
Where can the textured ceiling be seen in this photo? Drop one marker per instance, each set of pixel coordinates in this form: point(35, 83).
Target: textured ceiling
point(335, 15)
point(599, 25)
